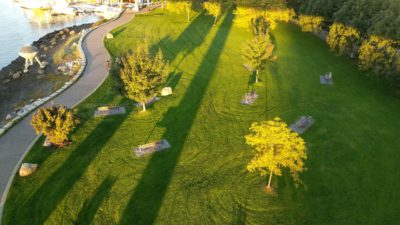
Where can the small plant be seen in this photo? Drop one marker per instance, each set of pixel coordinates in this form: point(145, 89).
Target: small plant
point(55, 122)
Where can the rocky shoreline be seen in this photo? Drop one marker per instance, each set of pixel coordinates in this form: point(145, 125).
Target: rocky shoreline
point(18, 89)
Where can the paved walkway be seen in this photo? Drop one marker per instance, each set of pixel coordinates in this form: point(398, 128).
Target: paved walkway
point(18, 139)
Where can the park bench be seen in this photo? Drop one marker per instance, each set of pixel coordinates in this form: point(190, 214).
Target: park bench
point(302, 124)
point(152, 147)
point(109, 111)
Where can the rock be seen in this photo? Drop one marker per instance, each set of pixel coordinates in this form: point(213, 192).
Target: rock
point(72, 33)
point(64, 37)
point(40, 72)
point(45, 49)
point(47, 143)
point(62, 69)
point(39, 77)
point(27, 169)
point(166, 91)
point(9, 117)
point(16, 75)
point(6, 81)
point(110, 36)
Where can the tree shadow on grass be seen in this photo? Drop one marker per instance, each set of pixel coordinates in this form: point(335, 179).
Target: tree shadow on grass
point(91, 205)
point(239, 216)
point(146, 200)
point(45, 199)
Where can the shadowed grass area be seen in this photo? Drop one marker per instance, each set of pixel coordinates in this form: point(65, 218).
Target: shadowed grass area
point(352, 161)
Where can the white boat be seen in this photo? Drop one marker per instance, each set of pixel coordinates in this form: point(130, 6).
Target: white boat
point(63, 8)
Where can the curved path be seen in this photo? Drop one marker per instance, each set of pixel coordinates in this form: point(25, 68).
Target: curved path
point(17, 141)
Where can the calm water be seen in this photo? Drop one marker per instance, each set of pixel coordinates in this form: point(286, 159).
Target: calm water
point(21, 26)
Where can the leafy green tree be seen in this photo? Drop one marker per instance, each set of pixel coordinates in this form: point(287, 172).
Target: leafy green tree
point(343, 39)
point(213, 8)
point(55, 122)
point(257, 52)
point(276, 147)
point(310, 23)
point(180, 7)
point(143, 74)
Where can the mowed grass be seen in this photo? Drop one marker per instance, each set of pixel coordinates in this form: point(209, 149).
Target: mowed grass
point(353, 159)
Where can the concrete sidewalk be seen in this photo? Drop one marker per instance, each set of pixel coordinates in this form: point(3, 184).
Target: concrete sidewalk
point(18, 139)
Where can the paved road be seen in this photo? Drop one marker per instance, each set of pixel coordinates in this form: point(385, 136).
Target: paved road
point(16, 141)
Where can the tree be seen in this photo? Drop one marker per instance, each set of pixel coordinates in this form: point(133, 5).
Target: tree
point(55, 122)
point(260, 26)
point(310, 23)
point(143, 74)
point(343, 39)
point(214, 9)
point(180, 6)
point(257, 52)
point(244, 16)
point(276, 147)
point(380, 55)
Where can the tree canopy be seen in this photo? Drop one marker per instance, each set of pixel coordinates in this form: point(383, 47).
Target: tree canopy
point(143, 74)
point(213, 8)
point(276, 147)
point(55, 122)
point(257, 52)
point(374, 17)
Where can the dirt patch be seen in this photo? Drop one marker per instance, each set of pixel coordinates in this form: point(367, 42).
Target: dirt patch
point(18, 89)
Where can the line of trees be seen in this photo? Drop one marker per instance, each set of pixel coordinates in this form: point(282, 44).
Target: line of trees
point(373, 17)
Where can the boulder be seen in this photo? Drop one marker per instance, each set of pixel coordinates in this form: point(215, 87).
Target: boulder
point(72, 33)
point(40, 72)
point(110, 36)
point(27, 169)
point(6, 81)
point(62, 69)
point(166, 91)
point(9, 117)
point(64, 37)
point(16, 75)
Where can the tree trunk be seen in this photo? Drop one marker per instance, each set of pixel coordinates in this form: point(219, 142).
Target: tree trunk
point(144, 106)
point(269, 180)
point(256, 76)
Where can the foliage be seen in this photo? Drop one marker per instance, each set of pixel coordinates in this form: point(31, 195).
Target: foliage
point(260, 26)
point(257, 52)
point(343, 39)
point(310, 23)
point(380, 55)
point(378, 17)
point(246, 15)
point(180, 7)
point(276, 147)
point(213, 8)
point(55, 122)
point(143, 74)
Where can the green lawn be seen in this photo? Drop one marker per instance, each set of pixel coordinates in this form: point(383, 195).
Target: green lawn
point(352, 161)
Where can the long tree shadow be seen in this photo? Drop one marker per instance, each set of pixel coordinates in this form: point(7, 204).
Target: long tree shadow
point(46, 198)
point(148, 195)
point(186, 42)
point(91, 205)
